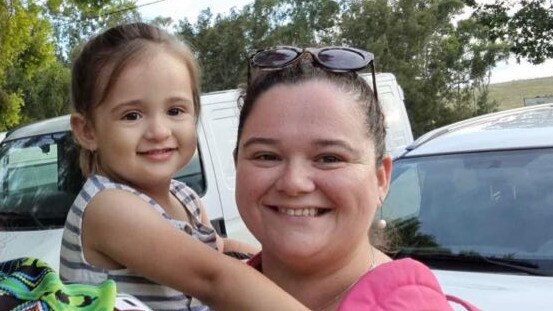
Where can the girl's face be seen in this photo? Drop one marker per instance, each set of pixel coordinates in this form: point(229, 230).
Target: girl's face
point(307, 183)
point(145, 130)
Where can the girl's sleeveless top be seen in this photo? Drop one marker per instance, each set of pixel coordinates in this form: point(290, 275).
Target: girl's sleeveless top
point(74, 267)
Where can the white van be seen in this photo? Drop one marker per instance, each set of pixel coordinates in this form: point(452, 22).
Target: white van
point(390, 95)
point(39, 175)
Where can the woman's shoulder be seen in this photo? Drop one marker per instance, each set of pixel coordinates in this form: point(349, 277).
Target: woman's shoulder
point(404, 284)
point(403, 275)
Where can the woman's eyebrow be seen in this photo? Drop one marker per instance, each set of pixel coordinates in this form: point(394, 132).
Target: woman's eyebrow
point(259, 140)
point(334, 143)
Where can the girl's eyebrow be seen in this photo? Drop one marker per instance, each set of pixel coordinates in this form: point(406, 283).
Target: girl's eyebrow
point(123, 105)
point(176, 99)
point(259, 140)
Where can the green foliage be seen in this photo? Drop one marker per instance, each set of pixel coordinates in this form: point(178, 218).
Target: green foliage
point(75, 21)
point(528, 31)
point(224, 42)
point(438, 64)
point(10, 104)
point(26, 48)
point(220, 48)
point(47, 94)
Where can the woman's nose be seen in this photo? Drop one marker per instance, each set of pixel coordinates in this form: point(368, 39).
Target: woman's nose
point(158, 129)
point(295, 178)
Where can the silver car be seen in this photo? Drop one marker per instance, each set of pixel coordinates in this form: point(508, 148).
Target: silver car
point(474, 201)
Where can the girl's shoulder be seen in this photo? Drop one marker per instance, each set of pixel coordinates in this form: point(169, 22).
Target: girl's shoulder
point(404, 284)
point(95, 186)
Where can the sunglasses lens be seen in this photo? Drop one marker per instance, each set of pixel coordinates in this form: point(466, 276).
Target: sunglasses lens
point(274, 58)
point(342, 59)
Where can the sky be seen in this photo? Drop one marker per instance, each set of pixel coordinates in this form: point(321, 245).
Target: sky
point(177, 9)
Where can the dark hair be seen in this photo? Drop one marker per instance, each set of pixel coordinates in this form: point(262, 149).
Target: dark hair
point(303, 71)
point(104, 57)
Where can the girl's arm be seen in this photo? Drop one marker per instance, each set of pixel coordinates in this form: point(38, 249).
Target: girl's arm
point(125, 229)
point(226, 245)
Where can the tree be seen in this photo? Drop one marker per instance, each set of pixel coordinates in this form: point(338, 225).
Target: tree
point(526, 26)
point(442, 67)
point(47, 93)
point(219, 47)
point(224, 42)
point(74, 21)
point(26, 48)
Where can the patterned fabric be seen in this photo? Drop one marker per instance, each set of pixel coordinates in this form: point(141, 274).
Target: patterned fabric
point(28, 284)
point(75, 268)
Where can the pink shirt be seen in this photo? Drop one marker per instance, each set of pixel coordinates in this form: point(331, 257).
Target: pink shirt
point(404, 284)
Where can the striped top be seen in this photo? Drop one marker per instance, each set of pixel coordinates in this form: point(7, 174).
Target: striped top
point(75, 268)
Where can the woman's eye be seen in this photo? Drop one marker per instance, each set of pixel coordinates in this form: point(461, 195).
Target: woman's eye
point(175, 111)
point(329, 159)
point(131, 116)
point(265, 157)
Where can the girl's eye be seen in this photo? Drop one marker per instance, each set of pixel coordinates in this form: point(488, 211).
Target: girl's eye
point(131, 116)
point(175, 111)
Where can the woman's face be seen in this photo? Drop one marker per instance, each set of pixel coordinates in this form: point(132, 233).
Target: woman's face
point(307, 182)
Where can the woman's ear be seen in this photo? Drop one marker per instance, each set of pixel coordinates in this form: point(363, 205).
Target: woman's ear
point(384, 172)
point(83, 131)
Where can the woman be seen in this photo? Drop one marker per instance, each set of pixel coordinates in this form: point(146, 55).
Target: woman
point(311, 174)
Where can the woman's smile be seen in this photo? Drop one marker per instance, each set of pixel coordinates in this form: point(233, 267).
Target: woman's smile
point(300, 212)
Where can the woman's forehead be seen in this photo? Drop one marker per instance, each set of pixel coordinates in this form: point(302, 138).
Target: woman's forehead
point(307, 108)
point(312, 99)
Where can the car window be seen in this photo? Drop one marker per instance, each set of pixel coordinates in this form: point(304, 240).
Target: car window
point(38, 182)
point(31, 168)
point(496, 204)
point(406, 183)
point(193, 174)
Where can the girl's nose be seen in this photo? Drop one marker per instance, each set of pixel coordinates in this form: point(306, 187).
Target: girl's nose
point(295, 179)
point(158, 129)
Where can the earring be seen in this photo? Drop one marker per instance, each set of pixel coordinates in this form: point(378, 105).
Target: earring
point(381, 223)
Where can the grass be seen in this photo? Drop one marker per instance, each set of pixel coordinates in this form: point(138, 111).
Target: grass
point(511, 94)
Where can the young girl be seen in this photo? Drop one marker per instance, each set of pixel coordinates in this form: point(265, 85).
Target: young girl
point(135, 92)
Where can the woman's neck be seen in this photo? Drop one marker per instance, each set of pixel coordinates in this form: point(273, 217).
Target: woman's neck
point(320, 284)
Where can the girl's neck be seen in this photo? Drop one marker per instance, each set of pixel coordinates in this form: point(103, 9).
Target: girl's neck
point(324, 285)
point(159, 191)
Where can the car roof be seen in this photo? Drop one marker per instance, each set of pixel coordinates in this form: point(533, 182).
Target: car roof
point(53, 125)
point(521, 128)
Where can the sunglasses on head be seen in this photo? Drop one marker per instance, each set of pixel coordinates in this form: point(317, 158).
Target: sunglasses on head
point(334, 58)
